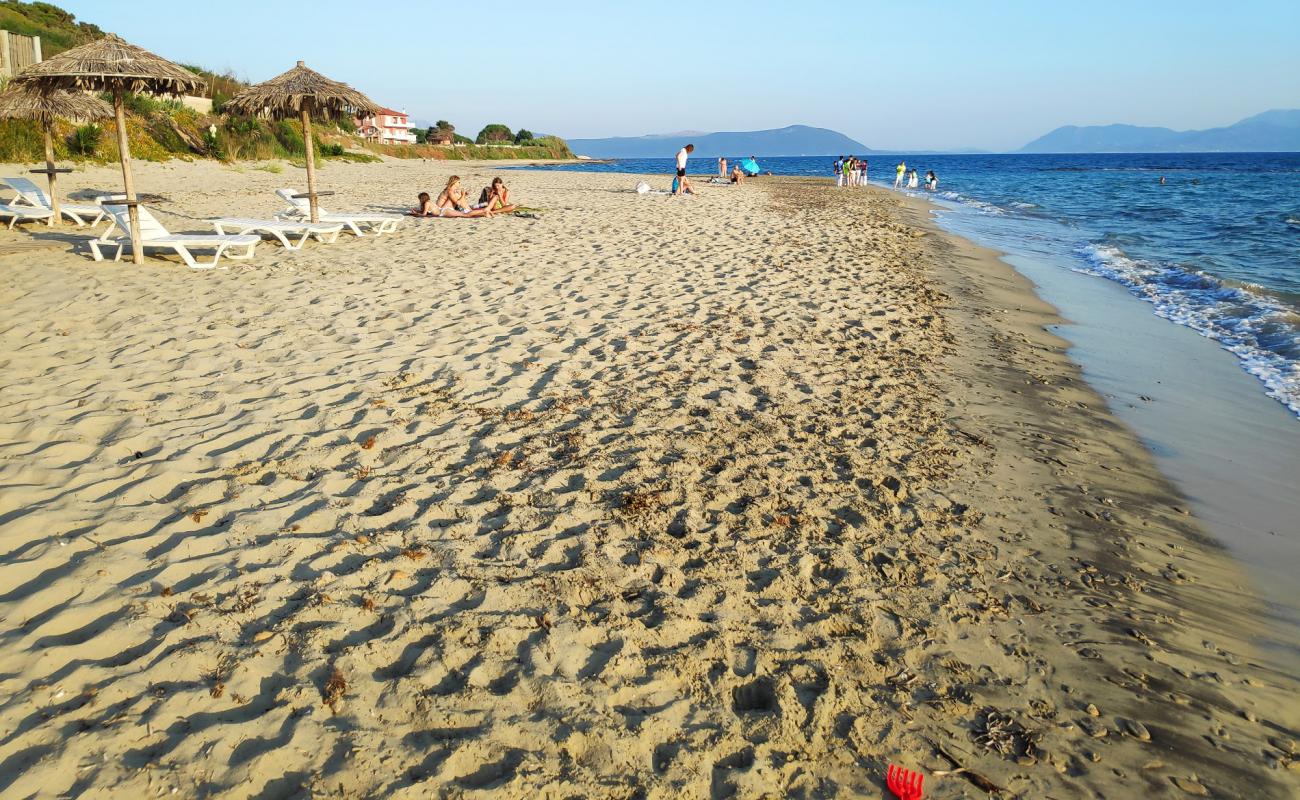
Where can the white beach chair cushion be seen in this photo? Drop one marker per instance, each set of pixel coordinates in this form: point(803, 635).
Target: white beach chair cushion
point(31, 194)
point(326, 232)
point(23, 213)
point(153, 234)
point(300, 207)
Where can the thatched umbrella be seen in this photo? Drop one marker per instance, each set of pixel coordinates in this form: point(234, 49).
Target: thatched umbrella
point(303, 92)
point(112, 65)
point(21, 102)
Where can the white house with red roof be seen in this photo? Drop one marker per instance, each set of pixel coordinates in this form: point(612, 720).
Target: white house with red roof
point(387, 127)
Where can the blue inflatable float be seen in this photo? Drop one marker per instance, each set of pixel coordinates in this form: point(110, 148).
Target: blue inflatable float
point(750, 166)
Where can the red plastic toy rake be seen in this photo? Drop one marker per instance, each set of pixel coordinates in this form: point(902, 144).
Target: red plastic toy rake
point(904, 783)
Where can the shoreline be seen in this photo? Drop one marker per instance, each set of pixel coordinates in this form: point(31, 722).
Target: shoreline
point(754, 491)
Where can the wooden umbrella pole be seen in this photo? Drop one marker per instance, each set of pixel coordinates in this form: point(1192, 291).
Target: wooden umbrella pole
point(124, 150)
point(49, 170)
point(311, 163)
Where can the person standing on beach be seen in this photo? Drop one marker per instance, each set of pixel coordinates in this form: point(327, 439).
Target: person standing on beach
point(722, 167)
point(898, 174)
point(683, 185)
point(838, 169)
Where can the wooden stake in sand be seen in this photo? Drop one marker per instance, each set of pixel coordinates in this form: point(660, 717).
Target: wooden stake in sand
point(302, 93)
point(112, 65)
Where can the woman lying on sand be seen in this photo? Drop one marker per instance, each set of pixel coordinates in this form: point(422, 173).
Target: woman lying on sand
point(450, 203)
point(496, 198)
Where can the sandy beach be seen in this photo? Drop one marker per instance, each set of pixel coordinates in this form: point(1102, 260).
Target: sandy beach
point(747, 494)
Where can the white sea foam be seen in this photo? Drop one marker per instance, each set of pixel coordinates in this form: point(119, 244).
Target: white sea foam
point(979, 205)
point(1240, 320)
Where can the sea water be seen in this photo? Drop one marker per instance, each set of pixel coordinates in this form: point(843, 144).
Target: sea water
point(1215, 248)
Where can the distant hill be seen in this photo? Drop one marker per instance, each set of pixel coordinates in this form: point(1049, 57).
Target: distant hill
point(794, 140)
point(1270, 132)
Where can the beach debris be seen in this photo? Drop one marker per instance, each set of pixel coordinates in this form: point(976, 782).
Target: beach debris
point(970, 775)
point(904, 783)
point(335, 687)
point(262, 636)
point(415, 553)
point(397, 575)
point(165, 591)
point(198, 514)
point(637, 503)
point(1135, 729)
point(368, 443)
point(1003, 733)
point(1094, 728)
point(1190, 785)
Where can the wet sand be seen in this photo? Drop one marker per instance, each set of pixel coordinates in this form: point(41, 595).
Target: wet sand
point(748, 494)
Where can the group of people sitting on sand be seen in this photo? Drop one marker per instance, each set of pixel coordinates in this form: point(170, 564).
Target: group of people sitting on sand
point(453, 201)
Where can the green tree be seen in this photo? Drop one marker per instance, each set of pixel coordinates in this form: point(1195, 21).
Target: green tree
point(524, 135)
point(421, 135)
point(493, 134)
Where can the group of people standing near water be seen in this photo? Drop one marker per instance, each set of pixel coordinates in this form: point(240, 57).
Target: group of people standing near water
point(850, 171)
point(906, 178)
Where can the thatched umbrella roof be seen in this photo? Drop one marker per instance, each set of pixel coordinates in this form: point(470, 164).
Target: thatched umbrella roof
point(301, 89)
point(302, 92)
point(25, 102)
point(111, 65)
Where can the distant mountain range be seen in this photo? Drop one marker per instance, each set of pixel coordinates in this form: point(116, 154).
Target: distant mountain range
point(1270, 132)
point(793, 140)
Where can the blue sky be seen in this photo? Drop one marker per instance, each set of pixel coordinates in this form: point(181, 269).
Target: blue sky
point(911, 75)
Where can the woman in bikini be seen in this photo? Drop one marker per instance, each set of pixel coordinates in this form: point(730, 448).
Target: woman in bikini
point(496, 198)
point(451, 202)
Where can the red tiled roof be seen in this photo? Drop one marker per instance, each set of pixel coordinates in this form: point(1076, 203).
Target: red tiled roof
point(390, 112)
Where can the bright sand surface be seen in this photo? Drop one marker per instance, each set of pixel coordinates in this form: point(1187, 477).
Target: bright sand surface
point(747, 494)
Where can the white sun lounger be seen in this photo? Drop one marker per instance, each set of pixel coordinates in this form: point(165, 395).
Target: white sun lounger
point(326, 232)
point(300, 207)
point(29, 194)
point(154, 235)
point(23, 213)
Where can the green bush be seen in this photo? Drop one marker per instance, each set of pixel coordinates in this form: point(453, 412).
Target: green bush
point(21, 141)
point(242, 125)
point(290, 137)
point(85, 140)
point(330, 150)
